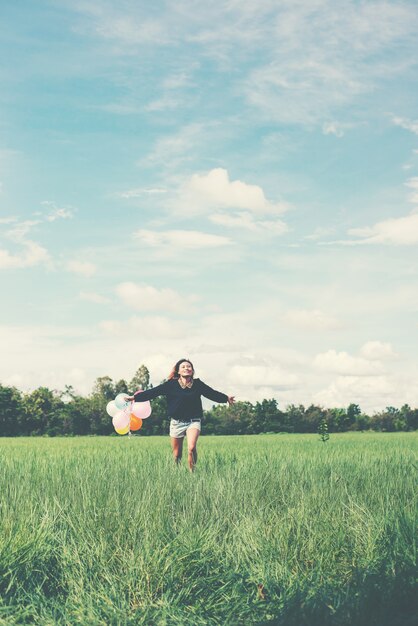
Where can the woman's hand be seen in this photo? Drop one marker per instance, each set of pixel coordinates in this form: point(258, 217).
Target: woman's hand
point(231, 400)
point(129, 398)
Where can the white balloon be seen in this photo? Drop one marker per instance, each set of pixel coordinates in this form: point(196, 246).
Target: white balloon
point(111, 408)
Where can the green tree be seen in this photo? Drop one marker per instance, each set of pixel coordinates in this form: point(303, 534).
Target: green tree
point(224, 420)
point(77, 416)
point(313, 417)
point(362, 422)
point(95, 407)
point(140, 379)
point(43, 412)
point(336, 419)
point(54, 413)
point(410, 417)
point(121, 386)
point(296, 417)
point(11, 412)
point(353, 411)
point(386, 420)
point(268, 418)
point(103, 386)
point(323, 430)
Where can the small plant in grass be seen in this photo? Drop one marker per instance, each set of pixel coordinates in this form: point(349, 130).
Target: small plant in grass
point(323, 430)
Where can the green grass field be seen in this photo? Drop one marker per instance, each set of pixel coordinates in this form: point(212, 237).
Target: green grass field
point(270, 529)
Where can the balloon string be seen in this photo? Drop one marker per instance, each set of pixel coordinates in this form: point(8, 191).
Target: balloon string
point(130, 411)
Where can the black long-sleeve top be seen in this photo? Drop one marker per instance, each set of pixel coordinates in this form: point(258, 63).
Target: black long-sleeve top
point(182, 404)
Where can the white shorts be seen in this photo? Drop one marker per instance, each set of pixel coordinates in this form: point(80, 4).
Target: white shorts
point(179, 428)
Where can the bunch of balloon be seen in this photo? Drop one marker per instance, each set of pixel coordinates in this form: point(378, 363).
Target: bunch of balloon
point(126, 415)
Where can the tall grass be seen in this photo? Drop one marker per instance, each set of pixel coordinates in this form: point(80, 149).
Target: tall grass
point(279, 529)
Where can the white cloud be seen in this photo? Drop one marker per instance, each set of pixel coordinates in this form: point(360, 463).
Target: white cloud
point(179, 79)
point(412, 183)
point(346, 365)
point(173, 150)
point(324, 55)
point(84, 268)
point(22, 341)
point(214, 190)
point(401, 231)
point(26, 252)
point(153, 326)
point(112, 327)
point(377, 350)
point(147, 298)
point(370, 392)
point(233, 359)
point(137, 193)
point(298, 61)
point(91, 296)
point(119, 108)
point(14, 380)
point(181, 239)
point(246, 221)
point(164, 103)
point(411, 125)
point(311, 320)
point(320, 232)
point(333, 128)
point(31, 255)
point(76, 376)
point(261, 376)
point(205, 348)
point(18, 233)
point(57, 212)
point(128, 26)
point(141, 31)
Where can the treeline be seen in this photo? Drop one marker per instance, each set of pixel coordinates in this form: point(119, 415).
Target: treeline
point(57, 413)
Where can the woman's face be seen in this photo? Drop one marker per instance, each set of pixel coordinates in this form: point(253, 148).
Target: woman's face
point(185, 369)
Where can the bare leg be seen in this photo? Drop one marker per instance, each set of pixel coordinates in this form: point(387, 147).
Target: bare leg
point(192, 437)
point(177, 447)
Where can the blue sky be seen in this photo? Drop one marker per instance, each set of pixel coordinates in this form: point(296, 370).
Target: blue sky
point(234, 182)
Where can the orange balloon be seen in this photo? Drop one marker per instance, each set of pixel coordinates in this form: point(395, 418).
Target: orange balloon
point(136, 422)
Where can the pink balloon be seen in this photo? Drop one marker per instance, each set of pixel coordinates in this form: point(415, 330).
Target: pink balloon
point(121, 420)
point(141, 409)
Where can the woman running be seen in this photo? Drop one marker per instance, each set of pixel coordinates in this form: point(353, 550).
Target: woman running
point(184, 406)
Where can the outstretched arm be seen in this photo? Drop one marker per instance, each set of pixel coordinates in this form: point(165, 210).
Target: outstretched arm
point(212, 394)
point(149, 394)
